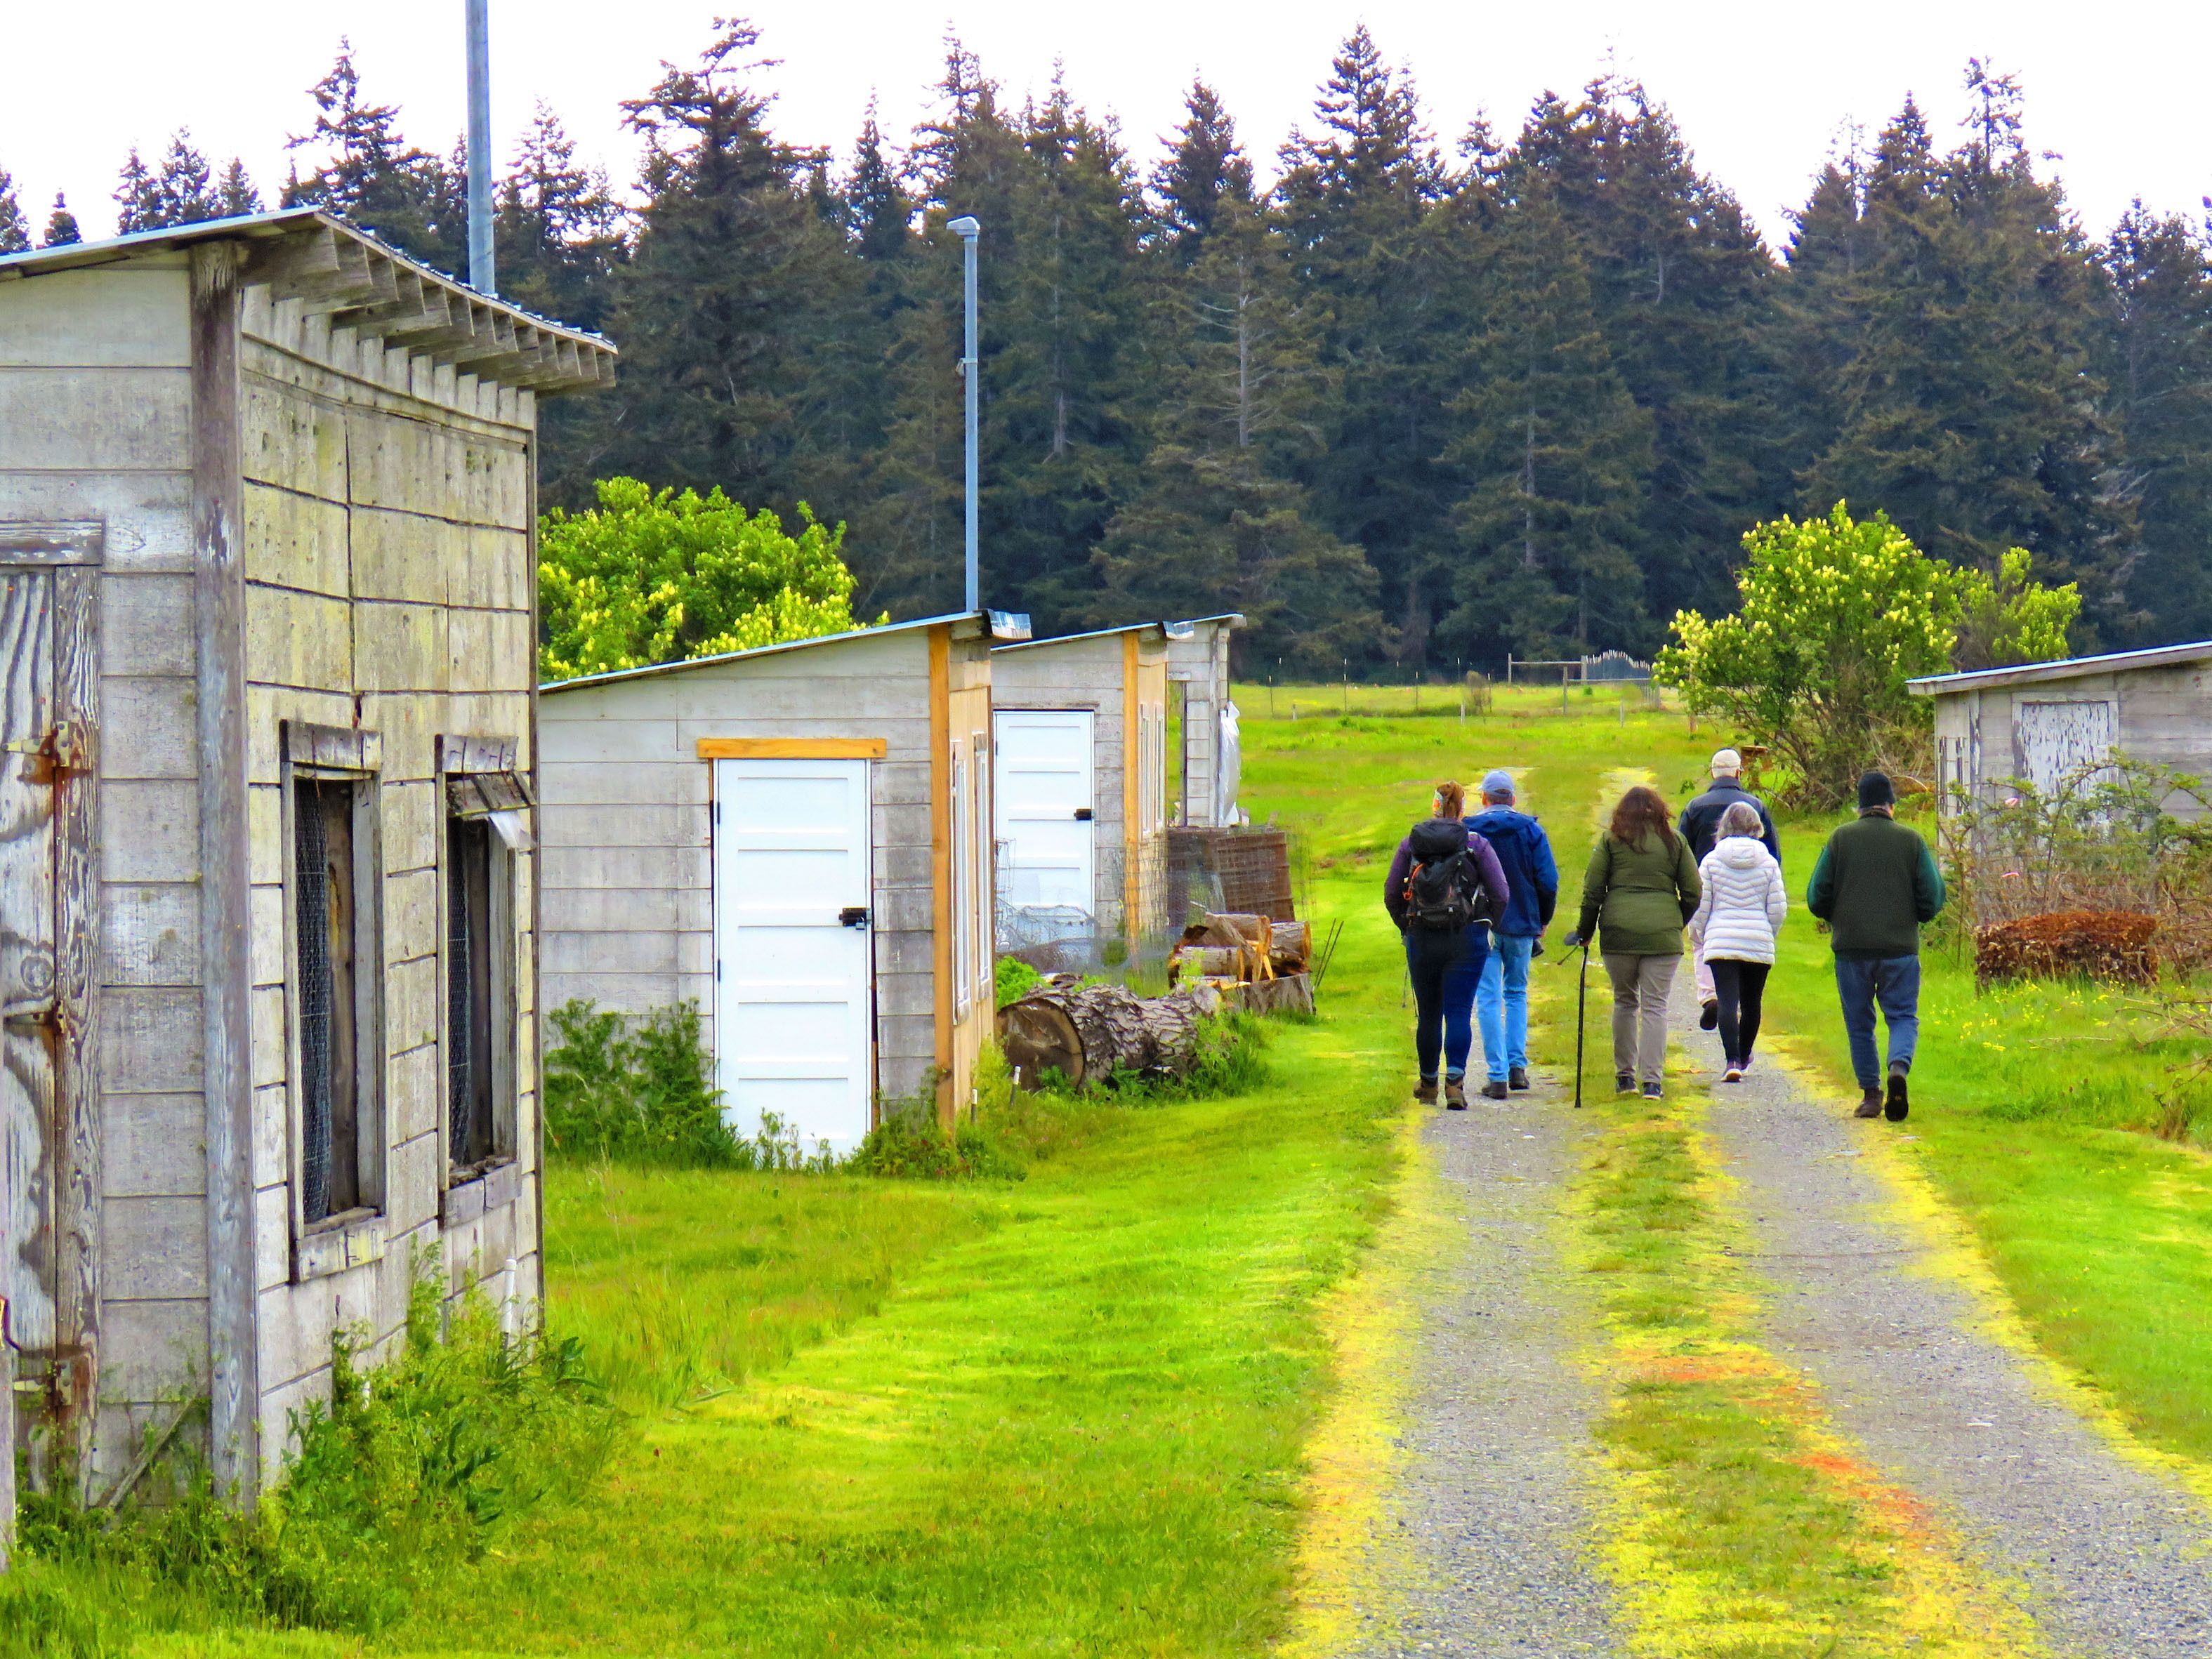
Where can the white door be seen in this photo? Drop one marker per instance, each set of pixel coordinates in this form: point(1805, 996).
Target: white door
point(791, 949)
point(27, 1191)
point(1044, 826)
point(2061, 745)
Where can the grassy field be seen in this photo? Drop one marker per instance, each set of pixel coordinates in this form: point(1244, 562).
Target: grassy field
point(1071, 1414)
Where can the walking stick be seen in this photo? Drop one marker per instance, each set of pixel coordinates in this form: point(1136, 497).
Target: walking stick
point(1582, 1002)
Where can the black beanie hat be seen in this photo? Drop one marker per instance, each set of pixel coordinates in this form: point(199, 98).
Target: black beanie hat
point(1874, 790)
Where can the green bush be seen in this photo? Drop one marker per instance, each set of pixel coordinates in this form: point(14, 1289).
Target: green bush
point(638, 1089)
point(1015, 979)
point(411, 1471)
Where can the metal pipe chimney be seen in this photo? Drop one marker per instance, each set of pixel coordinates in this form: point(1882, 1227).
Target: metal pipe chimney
point(481, 275)
point(967, 229)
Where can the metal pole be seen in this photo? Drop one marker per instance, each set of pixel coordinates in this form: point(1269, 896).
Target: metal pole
point(481, 275)
point(968, 229)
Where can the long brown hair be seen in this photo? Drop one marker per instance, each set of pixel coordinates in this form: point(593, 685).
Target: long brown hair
point(1642, 811)
point(1451, 801)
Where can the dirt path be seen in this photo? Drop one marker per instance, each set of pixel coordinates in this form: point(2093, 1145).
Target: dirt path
point(1486, 1522)
point(2114, 1555)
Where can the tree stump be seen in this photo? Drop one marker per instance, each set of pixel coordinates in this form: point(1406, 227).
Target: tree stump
point(1090, 1033)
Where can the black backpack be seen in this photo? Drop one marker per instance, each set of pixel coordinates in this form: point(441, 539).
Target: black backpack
point(1443, 891)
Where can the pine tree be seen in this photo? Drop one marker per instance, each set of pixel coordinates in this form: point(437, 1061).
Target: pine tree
point(2157, 358)
point(1816, 324)
point(234, 194)
point(14, 232)
point(1969, 410)
point(1356, 195)
point(372, 176)
point(1219, 522)
point(1206, 168)
point(1557, 455)
point(183, 192)
point(61, 224)
point(137, 203)
point(726, 282)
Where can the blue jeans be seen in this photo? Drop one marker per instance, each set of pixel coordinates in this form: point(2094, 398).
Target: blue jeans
point(1501, 1002)
point(1445, 968)
point(1894, 982)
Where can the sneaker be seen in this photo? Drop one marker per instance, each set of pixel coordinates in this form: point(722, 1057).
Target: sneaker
point(1897, 1105)
point(1653, 1091)
point(1517, 1079)
point(1426, 1090)
point(1494, 1090)
point(1624, 1083)
point(1710, 1019)
point(1454, 1094)
point(1734, 1074)
point(1871, 1106)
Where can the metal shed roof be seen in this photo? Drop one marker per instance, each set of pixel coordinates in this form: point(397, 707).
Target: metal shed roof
point(1092, 634)
point(341, 271)
point(2030, 674)
point(581, 681)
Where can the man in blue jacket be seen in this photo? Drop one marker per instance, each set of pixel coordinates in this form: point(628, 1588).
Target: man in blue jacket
point(1532, 879)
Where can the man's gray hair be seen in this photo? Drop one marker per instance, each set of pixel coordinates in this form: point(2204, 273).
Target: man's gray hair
point(1742, 819)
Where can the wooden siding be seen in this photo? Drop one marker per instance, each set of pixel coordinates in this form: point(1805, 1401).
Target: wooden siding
point(388, 537)
point(1200, 664)
point(628, 836)
point(2164, 715)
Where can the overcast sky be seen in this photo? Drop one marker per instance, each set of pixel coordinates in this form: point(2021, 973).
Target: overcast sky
point(1761, 90)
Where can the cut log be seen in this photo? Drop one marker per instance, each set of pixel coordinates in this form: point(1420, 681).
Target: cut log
point(1291, 995)
point(1091, 1034)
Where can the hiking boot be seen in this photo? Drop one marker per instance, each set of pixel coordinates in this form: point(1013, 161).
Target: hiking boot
point(1710, 1019)
point(1624, 1083)
point(1494, 1090)
point(1517, 1079)
point(1871, 1106)
point(1425, 1091)
point(1897, 1105)
point(1653, 1091)
point(1454, 1094)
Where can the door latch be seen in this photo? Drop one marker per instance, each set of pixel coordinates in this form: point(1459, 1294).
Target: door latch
point(852, 916)
point(1083, 815)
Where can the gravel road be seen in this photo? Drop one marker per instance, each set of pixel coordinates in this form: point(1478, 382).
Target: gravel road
point(1489, 1509)
point(2115, 1557)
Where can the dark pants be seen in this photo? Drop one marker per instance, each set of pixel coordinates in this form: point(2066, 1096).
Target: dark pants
point(1445, 969)
point(1894, 983)
point(1741, 987)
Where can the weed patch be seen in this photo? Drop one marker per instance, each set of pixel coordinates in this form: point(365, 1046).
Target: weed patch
point(640, 1090)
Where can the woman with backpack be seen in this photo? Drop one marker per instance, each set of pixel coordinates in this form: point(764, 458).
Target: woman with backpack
point(1733, 931)
point(1444, 885)
point(1641, 887)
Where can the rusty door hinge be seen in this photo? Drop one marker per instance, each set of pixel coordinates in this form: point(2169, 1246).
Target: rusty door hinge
point(68, 747)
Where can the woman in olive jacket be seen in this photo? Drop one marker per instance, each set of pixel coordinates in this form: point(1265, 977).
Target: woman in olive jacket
point(1642, 886)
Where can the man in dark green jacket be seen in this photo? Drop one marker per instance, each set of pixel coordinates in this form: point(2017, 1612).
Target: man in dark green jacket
point(1876, 883)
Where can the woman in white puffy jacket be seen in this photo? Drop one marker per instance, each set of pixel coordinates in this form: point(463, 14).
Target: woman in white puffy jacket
point(1732, 932)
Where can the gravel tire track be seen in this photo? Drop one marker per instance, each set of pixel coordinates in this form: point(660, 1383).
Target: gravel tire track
point(2113, 1555)
point(1491, 1509)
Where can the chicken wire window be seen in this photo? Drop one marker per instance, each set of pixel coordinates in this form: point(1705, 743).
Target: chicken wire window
point(487, 808)
point(964, 884)
point(334, 986)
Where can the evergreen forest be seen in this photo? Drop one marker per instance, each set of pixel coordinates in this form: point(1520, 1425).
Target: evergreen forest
point(1414, 404)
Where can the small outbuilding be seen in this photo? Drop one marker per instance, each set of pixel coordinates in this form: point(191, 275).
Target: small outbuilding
point(2046, 722)
point(1212, 750)
point(797, 839)
point(1082, 729)
point(267, 581)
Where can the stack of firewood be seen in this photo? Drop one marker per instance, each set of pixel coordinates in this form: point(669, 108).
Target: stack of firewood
point(1252, 961)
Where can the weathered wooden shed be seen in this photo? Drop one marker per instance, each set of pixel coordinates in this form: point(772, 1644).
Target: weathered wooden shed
point(2044, 722)
point(1212, 757)
point(267, 575)
point(798, 839)
point(1082, 724)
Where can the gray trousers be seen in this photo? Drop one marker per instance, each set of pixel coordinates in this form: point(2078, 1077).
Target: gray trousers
point(1640, 989)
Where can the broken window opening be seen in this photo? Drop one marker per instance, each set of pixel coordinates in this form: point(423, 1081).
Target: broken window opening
point(323, 819)
point(470, 952)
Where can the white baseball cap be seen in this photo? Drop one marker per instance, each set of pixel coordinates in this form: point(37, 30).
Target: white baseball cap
point(1726, 764)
